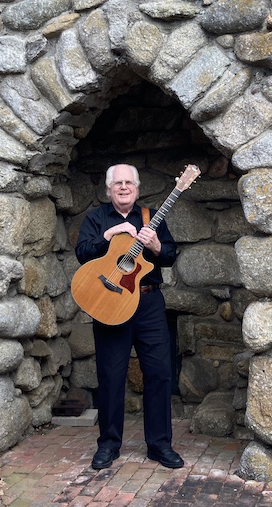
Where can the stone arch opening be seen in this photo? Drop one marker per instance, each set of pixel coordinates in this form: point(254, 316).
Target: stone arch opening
point(60, 67)
point(152, 130)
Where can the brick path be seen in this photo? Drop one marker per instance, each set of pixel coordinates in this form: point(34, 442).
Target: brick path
point(53, 470)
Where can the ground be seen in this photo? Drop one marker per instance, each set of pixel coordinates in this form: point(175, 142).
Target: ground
point(51, 468)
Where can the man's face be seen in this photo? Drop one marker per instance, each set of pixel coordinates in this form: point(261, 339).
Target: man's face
point(123, 191)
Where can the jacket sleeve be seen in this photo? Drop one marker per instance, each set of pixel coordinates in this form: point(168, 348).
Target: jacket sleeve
point(91, 242)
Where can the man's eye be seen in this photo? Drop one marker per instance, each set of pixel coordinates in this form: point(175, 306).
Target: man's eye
point(128, 183)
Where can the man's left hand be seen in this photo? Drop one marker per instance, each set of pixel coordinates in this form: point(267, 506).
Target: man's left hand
point(149, 239)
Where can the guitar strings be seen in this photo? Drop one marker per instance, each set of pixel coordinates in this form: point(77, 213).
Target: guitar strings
point(137, 246)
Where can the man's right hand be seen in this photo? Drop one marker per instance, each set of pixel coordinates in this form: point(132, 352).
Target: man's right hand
point(119, 229)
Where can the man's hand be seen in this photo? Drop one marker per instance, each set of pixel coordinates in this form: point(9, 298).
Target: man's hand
point(149, 239)
point(119, 229)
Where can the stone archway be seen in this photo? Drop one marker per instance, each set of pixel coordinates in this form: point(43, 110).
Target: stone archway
point(61, 64)
point(154, 132)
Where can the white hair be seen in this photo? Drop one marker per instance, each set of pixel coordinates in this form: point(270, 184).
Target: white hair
point(109, 176)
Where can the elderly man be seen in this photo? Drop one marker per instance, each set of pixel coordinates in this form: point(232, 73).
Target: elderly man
point(146, 329)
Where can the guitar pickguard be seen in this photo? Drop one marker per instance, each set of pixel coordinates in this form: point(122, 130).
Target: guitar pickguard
point(128, 281)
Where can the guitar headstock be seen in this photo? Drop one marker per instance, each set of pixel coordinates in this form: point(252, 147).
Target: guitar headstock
point(190, 174)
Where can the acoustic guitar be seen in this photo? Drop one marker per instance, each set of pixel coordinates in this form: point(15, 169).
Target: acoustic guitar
point(108, 288)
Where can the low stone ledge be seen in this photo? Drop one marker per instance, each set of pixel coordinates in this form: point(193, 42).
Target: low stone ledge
point(87, 418)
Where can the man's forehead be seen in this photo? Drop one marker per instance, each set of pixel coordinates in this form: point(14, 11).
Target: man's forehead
point(122, 170)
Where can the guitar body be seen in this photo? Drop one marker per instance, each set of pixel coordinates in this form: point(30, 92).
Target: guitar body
point(107, 288)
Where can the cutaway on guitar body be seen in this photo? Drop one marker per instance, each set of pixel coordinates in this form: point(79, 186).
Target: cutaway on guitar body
point(107, 288)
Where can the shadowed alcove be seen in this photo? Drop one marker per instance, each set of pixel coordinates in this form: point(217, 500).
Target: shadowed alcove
point(152, 131)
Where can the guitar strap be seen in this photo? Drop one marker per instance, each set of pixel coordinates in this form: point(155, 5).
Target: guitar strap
point(145, 216)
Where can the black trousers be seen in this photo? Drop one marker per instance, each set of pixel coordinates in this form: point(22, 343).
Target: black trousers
point(147, 330)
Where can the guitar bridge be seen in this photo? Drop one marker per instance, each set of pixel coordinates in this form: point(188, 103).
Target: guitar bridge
point(109, 285)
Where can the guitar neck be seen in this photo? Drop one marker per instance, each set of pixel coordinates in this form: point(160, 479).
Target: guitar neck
point(163, 210)
point(154, 223)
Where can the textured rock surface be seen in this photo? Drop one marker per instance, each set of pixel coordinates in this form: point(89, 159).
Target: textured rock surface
point(255, 190)
point(256, 463)
point(259, 405)
point(226, 16)
point(216, 422)
point(32, 14)
point(210, 264)
point(62, 64)
point(257, 326)
point(254, 255)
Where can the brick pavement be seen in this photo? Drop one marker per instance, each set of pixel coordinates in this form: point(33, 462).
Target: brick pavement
point(53, 470)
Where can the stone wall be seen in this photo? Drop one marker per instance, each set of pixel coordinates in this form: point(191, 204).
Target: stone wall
point(62, 63)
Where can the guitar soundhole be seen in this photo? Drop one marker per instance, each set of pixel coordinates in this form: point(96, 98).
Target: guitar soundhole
point(126, 263)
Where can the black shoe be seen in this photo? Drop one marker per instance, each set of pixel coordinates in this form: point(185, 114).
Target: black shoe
point(166, 457)
point(104, 457)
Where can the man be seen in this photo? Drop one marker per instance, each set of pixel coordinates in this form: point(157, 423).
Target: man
point(146, 329)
